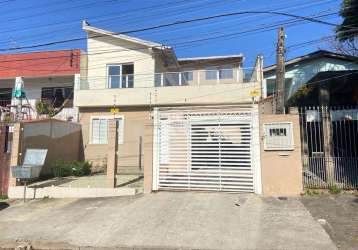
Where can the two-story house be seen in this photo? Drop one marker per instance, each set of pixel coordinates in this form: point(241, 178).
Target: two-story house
point(188, 123)
point(46, 76)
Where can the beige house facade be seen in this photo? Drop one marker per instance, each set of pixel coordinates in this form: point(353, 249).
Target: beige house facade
point(183, 124)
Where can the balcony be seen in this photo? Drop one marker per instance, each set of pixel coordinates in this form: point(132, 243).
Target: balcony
point(201, 77)
point(28, 111)
point(169, 79)
point(187, 87)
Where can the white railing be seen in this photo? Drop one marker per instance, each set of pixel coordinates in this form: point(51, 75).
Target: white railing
point(173, 79)
point(167, 79)
point(201, 77)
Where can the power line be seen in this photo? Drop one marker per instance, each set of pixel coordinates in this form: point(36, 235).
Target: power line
point(174, 24)
point(91, 4)
point(96, 53)
point(78, 20)
point(300, 6)
point(266, 27)
point(201, 5)
point(134, 48)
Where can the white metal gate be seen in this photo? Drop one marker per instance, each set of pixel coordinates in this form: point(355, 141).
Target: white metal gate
point(207, 148)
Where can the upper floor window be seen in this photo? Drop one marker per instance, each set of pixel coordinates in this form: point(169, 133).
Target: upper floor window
point(210, 74)
point(57, 95)
point(187, 75)
point(5, 97)
point(219, 73)
point(226, 73)
point(120, 76)
point(271, 86)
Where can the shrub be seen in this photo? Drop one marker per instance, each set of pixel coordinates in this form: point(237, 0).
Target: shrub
point(45, 108)
point(61, 169)
point(81, 168)
point(334, 189)
point(76, 168)
point(3, 197)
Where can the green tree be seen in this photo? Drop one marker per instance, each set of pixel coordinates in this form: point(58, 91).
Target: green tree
point(347, 31)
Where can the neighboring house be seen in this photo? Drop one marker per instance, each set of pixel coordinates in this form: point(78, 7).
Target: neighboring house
point(175, 118)
point(329, 88)
point(301, 69)
point(47, 76)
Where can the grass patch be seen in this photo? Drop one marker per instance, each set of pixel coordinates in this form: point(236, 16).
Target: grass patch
point(3, 197)
point(334, 189)
point(312, 192)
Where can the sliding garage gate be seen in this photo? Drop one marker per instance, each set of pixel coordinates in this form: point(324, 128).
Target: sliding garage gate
point(212, 148)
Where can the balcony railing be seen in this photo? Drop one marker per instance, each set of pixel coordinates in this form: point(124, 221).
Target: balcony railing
point(167, 79)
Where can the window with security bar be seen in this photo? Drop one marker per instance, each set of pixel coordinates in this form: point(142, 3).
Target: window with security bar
point(278, 136)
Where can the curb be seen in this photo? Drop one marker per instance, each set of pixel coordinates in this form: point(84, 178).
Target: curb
point(39, 245)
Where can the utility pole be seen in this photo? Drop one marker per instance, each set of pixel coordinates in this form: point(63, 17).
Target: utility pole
point(280, 72)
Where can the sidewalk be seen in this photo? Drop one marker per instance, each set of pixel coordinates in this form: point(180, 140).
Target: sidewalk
point(165, 220)
point(338, 215)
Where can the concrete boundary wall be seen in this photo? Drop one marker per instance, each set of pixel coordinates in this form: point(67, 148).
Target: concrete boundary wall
point(62, 139)
point(281, 169)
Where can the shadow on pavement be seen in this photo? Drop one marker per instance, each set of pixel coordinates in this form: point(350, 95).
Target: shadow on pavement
point(3, 205)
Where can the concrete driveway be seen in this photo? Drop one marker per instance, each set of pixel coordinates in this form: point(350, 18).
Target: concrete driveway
point(165, 220)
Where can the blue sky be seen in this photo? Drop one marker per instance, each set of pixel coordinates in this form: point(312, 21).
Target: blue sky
point(24, 22)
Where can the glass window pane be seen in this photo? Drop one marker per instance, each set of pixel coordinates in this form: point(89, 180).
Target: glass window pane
point(103, 129)
point(225, 74)
point(210, 74)
point(114, 81)
point(130, 81)
point(124, 81)
point(114, 70)
point(120, 129)
point(95, 131)
point(69, 93)
point(99, 131)
point(187, 76)
point(270, 86)
point(171, 79)
point(128, 69)
point(157, 80)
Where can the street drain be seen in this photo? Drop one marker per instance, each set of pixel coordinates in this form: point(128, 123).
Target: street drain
point(282, 198)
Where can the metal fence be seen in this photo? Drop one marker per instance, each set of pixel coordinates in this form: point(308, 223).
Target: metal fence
point(329, 137)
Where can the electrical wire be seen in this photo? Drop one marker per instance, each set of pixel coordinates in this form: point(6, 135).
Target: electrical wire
point(175, 23)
